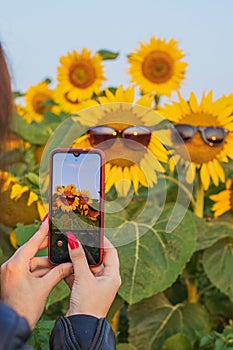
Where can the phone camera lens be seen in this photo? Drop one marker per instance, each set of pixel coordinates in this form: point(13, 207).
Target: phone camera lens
point(59, 243)
point(76, 154)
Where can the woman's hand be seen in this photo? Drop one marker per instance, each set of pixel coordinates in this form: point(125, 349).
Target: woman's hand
point(92, 290)
point(26, 280)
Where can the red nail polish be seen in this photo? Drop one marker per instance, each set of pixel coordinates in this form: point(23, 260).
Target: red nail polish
point(72, 240)
point(45, 217)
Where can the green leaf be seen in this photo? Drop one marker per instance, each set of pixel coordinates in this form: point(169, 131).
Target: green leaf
point(155, 319)
point(6, 249)
point(155, 257)
point(210, 232)
point(181, 341)
point(32, 133)
point(60, 292)
point(108, 55)
point(116, 305)
point(219, 345)
point(40, 335)
point(218, 262)
point(33, 178)
point(24, 232)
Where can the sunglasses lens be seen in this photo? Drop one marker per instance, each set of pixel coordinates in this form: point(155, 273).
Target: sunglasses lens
point(136, 137)
point(183, 133)
point(103, 136)
point(215, 136)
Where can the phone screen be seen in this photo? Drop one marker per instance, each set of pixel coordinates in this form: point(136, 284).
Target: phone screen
point(76, 203)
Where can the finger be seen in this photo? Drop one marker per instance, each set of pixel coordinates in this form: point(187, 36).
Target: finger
point(41, 272)
point(110, 258)
point(78, 257)
point(39, 263)
point(58, 273)
point(98, 270)
point(70, 280)
point(31, 247)
point(44, 244)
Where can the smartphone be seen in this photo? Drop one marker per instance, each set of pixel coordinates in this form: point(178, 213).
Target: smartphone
point(76, 203)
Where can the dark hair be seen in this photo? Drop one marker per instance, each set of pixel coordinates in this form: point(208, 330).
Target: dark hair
point(6, 99)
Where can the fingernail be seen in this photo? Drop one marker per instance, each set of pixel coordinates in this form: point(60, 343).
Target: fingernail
point(72, 240)
point(45, 217)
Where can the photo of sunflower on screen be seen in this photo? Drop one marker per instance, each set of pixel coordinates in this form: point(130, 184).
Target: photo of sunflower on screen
point(68, 203)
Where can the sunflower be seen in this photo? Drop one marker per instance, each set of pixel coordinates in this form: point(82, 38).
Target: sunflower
point(84, 201)
point(23, 113)
point(65, 104)
point(66, 198)
point(36, 99)
point(126, 166)
point(15, 197)
point(223, 200)
point(80, 75)
point(200, 155)
point(157, 67)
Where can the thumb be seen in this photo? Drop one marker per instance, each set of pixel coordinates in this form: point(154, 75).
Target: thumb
point(77, 256)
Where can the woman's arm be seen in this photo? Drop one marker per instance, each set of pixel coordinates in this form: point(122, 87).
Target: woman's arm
point(14, 330)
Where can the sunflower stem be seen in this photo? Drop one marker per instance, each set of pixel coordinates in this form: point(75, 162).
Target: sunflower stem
point(193, 296)
point(199, 203)
point(178, 183)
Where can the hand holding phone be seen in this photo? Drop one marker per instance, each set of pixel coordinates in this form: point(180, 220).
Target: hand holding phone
point(76, 203)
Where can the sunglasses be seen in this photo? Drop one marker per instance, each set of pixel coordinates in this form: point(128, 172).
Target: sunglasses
point(134, 137)
point(212, 135)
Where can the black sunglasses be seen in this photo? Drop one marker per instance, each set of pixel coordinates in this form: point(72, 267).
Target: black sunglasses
point(134, 137)
point(212, 135)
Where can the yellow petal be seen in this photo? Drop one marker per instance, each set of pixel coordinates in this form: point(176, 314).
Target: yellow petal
point(17, 190)
point(41, 209)
point(32, 198)
point(112, 178)
point(13, 239)
point(107, 170)
point(142, 178)
point(219, 170)
point(134, 177)
point(191, 173)
point(149, 172)
point(124, 184)
point(229, 183)
point(213, 173)
point(193, 103)
point(205, 177)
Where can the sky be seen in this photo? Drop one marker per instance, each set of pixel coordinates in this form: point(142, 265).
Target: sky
point(35, 35)
point(82, 171)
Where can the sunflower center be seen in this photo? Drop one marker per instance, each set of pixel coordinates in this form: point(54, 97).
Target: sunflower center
point(158, 67)
point(127, 156)
point(82, 75)
point(39, 105)
point(67, 200)
point(198, 150)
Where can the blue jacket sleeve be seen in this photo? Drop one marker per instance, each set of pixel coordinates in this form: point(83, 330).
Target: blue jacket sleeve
point(82, 332)
point(14, 330)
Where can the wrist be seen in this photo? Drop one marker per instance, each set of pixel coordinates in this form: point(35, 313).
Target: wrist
point(89, 312)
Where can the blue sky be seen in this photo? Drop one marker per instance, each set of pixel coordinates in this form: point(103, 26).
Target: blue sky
point(36, 34)
point(82, 171)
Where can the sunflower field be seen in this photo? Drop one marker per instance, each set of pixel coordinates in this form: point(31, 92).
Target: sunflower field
point(168, 184)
